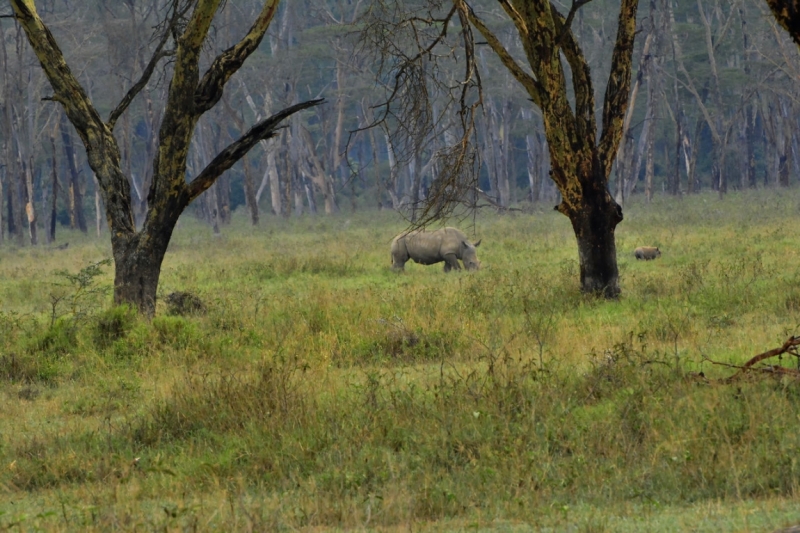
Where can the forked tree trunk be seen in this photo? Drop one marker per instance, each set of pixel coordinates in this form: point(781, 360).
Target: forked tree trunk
point(137, 267)
point(580, 162)
point(594, 221)
point(138, 254)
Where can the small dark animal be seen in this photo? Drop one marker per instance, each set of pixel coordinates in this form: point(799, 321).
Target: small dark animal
point(647, 252)
point(430, 247)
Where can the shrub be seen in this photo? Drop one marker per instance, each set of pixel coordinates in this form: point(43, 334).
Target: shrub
point(175, 331)
point(112, 325)
point(57, 340)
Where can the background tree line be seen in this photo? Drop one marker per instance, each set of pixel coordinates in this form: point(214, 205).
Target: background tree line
point(712, 106)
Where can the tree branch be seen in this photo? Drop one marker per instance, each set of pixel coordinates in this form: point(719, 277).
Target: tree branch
point(576, 5)
point(68, 91)
point(514, 15)
point(102, 149)
point(236, 150)
point(210, 88)
point(158, 54)
point(581, 73)
point(528, 82)
point(790, 347)
point(787, 13)
point(619, 84)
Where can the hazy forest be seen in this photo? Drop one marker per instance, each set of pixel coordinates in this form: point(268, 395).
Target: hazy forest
point(200, 328)
point(712, 108)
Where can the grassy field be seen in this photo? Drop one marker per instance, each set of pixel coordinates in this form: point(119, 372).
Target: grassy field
point(320, 390)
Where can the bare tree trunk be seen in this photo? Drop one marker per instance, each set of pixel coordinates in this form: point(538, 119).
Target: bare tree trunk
point(693, 185)
point(786, 142)
point(77, 218)
point(19, 201)
point(7, 125)
point(632, 180)
point(30, 210)
point(336, 146)
point(503, 182)
point(98, 208)
point(623, 169)
point(298, 198)
point(317, 172)
point(373, 141)
point(289, 182)
point(748, 178)
point(751, 157)
point(274, 184)
point(391, 185)
point(650, 123)
point(649, 168)
point(51, 233)
point(534, 152)
point(270, 177)
point(498, 178)
point(10, 208)
point(250, 192)
point(625, 154)
point(415, 172)
point(676, 177)
point(250, 199)
point(223, 185)
point(793, 154)
point(488, 154)
point(772, 152)
point(2, 179)
point(312, 202)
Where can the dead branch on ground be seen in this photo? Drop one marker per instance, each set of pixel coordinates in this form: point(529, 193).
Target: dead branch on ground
point(790, 347)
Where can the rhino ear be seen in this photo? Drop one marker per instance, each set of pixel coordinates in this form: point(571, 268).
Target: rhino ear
point(477, 243)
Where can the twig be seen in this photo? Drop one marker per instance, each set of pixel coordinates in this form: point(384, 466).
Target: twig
point(790, 347)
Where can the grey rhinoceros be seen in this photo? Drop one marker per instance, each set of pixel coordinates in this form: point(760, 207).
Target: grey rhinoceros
point(430, 247)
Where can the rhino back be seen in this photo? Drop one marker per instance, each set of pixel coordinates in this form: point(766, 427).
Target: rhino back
point(452, 240)
point(425, 247)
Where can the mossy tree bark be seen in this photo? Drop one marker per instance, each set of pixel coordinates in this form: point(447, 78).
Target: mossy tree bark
point(787, 13)
point(138, 255)
point(580, 164)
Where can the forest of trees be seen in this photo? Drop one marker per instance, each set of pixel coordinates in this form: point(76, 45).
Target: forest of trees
point(713, 106)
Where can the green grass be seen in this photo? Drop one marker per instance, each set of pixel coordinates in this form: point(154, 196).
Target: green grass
point(320, 390)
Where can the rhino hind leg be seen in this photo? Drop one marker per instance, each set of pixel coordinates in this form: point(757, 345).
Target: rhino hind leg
point(451, 263)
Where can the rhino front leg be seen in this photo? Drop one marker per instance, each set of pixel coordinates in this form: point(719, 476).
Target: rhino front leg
point(451, 263)
point(399, 257)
